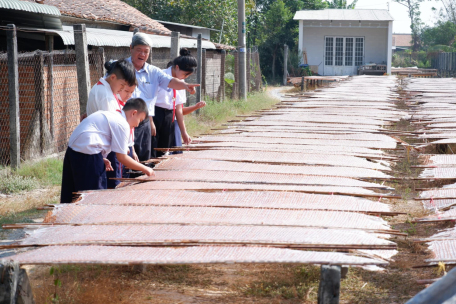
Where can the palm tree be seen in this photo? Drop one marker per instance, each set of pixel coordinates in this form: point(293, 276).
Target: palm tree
point(342, 4)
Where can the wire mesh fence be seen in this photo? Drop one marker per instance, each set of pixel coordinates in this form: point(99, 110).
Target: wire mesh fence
point(49, 107)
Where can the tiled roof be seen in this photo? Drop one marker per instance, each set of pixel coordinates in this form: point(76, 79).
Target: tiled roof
point(402, 40)
point(107, 10)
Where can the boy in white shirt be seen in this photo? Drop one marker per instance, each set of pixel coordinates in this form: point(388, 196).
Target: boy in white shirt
point(85, 163)
point(104, 97)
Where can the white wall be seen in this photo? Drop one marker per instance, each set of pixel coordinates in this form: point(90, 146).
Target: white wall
point(313, 40)
point(205, 34)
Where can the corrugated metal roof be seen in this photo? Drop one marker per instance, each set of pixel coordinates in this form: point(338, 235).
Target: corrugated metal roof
point(187, 25)
point(29, 7)
point(105, 37)
point(344, 14)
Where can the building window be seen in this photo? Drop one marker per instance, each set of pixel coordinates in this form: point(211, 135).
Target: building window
point(344, 51)
point(329, 51)
point(359, 51)
point(349, 51)
point(339, 51)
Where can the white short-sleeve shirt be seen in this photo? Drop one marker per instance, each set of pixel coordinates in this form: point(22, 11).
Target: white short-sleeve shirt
point(103, 132)
point(165, 96)
point(150, 78)
point(101, 98)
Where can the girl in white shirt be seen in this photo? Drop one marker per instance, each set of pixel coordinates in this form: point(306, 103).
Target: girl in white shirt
point(167, 106)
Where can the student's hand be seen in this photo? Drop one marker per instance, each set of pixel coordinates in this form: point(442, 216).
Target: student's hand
point(186, 139)
point(153, 129)
point(200, 104)
point(135, 156)
point(108, 164)
point(149, 172)
point(83, 116)
point(191, 88)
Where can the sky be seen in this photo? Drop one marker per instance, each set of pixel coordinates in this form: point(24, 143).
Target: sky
point(401, 22)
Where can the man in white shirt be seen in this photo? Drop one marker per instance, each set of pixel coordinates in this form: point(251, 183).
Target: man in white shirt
point(85, 163)
point(149, 78)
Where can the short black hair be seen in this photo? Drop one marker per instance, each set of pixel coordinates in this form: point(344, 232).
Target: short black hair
point(137, 104)
point(123, 69)
point(185, 61)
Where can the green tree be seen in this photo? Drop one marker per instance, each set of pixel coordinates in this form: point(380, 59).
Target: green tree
point(413, 9)
point(443, 33)
point(206, 13)
point(342, 4)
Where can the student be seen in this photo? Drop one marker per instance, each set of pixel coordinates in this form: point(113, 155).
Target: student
point(150, 78)
point(168, 105)
point(104, 97)
point(85, 165)
point(125, 95)
point(185, 111)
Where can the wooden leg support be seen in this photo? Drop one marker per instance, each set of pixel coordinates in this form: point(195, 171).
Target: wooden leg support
point(15, 286)
point(329, 289)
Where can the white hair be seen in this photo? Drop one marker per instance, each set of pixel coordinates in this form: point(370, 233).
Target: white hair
point(141, 39)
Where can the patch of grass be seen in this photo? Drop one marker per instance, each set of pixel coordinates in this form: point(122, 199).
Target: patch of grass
point(286, 282)
point(48, 171)
point(214, 114)
point(13, 183)
point(32, 175)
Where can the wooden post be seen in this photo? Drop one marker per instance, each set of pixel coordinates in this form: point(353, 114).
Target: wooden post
point(15, 285)
point(203, 74)
point(235, 94)
point(13, 96)
point(51, 84)
point(329, 289)
point(222, 76)
point(302, 83)
point(199, 69)
point(175, 47)
point(101, 61)
point(248, 69)
point(82, 65)
point(40, 97)
point(285, 64)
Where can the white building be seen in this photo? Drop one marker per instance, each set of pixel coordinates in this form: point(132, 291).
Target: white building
point(338, 41)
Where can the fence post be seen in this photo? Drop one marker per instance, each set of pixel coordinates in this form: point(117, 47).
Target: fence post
point(51, 84)
point(285, 64)
point(203, 74)
point(235, 94)
point(40, 97)
point(258, 71)
point(101, 61)
point(82, 65)
point(174, 51)
point(199, 70)
point(329, 289)
point(222, 76)
point(13, 95)
point(248, 69)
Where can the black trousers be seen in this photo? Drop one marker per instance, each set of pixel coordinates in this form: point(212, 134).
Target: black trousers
point(117, 173)
point(143, 143)
point(164, 124)
point(81, 172)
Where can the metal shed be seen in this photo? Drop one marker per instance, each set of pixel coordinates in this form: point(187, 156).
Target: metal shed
point(338, 41)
